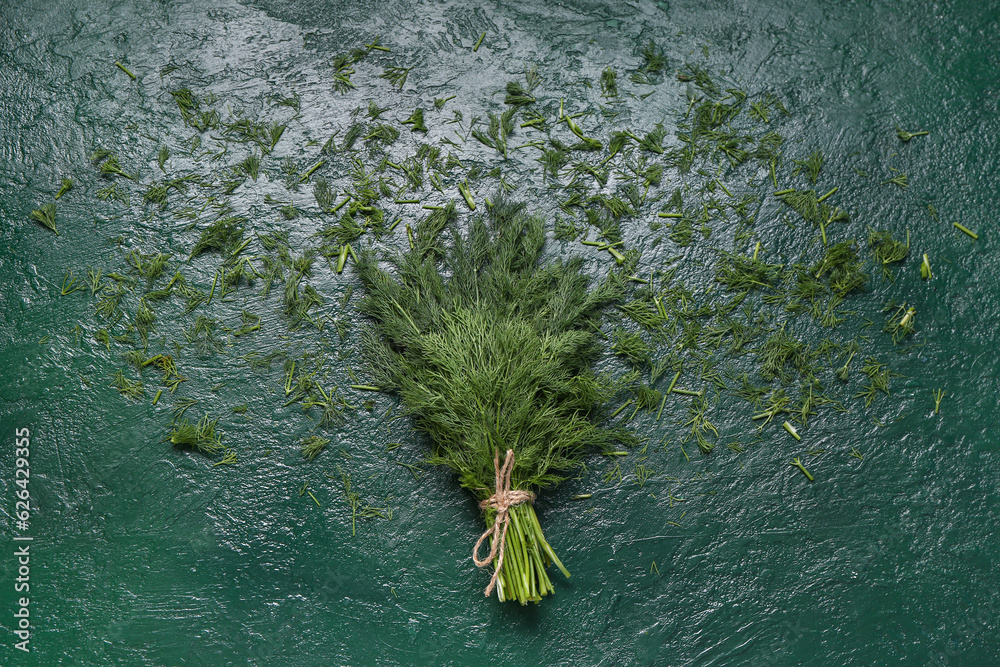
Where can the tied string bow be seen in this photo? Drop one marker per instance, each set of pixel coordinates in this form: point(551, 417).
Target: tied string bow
point(501, 500)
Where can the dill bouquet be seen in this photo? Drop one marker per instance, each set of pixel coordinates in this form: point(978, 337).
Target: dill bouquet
point(491, 353)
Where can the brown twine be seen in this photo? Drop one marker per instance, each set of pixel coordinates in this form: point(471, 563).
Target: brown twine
point(501, 500)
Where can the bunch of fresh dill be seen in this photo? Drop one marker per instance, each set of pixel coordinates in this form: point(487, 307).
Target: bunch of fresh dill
point(491, 350)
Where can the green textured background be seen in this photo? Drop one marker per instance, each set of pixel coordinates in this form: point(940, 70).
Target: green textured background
point(144, 555)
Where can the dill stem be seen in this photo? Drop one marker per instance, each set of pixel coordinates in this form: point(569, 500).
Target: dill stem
point(619, 410)
point(212, 293)
point(310, 171)
point(662, 403)
point(827, 195)
point(672, 383)
point(464, 189)
point(798, 464)
point(478, 42)
point(686, 392)
point(342, 259)
point(971, 233)
point(125, 69)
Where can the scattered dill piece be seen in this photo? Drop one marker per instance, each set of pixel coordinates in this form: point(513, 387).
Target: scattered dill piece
point(653, 140)
point(797, 463)
point(313, 445)
point(975, 236)
point(888, 250)
point(46, 215)
point(125, 69)
point(811, 166)
point(879, 377)
point(66, 186)
point(126, 387)
point(416, 119)
point(439, 102)
point(653, 58)
point(201, 436)
point(396, 75)
point(609, 83)
point(224, 235)
point(250, 166)
point(478, 42)
point(899, 180)
point(228, 459)
point(517, 96)
point(631, 347)
point(905, 136)
point(323, 194)
point(375, 45)
point(842, 371)
point(467, 195)
point(791, 430)
point(69, 284)
point(342, 81)
point(938, 395)
point(925, 268)
point(900, 323)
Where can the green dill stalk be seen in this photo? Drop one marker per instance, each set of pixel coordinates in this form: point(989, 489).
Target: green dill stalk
point(491, 350)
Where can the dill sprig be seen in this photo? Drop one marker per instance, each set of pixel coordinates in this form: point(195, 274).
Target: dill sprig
point(396, 75)
point(46, 216)
point(888, 250)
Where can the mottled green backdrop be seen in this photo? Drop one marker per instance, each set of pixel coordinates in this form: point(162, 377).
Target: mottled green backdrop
point(146, 555)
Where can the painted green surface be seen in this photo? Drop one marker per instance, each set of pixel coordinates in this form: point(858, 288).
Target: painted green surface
point(144, 555)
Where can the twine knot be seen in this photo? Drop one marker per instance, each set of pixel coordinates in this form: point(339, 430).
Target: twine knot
point(501, 500)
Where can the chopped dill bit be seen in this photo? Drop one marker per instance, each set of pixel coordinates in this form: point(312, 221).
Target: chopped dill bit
point(653, 58)
point(975, 237)
point(416, 119)
point(125, 69)
point(342, 81)
point(396, 75)
point(811, 166)
point(46, 215)
point(609, 83)
point(517, 96)
point(126, 387)
point(791, 430)
point(899, 180)
point(905, 136)
point(439, 102)
point(879, 377)
point(478, 42)
point(900, 323)
point(887, 250)
point(797, 463)
point(313, 445)
point(938, 395)
point(201, 436)
point(925, 268)
point(228, 459)
point(66, 186)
